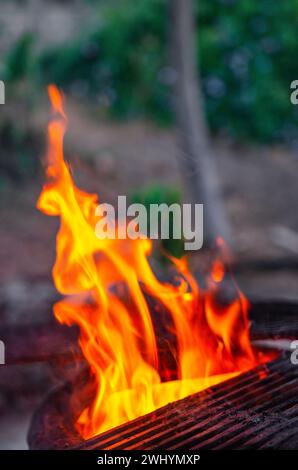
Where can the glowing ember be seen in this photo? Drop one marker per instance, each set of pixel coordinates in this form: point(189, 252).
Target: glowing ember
point(117, 337)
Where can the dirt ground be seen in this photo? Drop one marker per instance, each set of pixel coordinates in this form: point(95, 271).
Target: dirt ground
point(259, 187)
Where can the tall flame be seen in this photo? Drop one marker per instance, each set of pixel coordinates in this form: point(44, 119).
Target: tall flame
point(107, 286)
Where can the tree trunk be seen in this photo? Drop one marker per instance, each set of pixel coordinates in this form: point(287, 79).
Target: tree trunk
point(197, 159)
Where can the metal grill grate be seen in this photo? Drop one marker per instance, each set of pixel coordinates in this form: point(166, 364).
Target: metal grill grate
point(256, 410)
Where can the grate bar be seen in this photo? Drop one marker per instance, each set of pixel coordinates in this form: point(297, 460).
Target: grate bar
point(257, 409)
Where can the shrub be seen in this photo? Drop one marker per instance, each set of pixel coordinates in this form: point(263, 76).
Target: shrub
point(247, 54)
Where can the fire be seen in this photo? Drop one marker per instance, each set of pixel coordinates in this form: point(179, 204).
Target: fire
point(107, 285)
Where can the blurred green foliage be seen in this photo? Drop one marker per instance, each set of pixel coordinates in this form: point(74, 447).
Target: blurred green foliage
point(160, 194)
point(19, 59)
point(248, 53)
point(119, 62)
point(19, 147)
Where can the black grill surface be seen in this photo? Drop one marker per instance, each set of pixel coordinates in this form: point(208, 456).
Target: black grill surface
point(256, 410)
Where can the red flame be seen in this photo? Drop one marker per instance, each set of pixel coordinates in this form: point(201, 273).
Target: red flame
point(117, 336)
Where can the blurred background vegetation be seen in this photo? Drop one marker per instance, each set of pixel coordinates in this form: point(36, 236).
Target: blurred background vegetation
point(112, 58)
point(247, 53)
point(116, 62)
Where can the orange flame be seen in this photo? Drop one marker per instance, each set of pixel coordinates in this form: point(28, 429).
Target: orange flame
point(108, 284)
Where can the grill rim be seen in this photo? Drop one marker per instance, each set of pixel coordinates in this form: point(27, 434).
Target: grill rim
point(103, 441)
point(70, 439)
